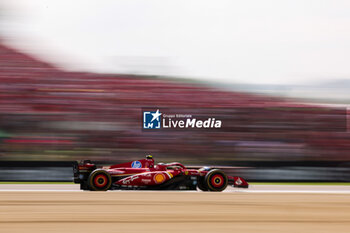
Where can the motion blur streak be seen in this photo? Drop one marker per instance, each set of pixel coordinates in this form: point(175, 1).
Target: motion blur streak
point(50, 114)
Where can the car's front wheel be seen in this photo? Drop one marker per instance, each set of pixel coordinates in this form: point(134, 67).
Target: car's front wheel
point(216, 180)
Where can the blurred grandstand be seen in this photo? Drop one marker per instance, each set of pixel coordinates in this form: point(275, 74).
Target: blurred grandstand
point(47, 114)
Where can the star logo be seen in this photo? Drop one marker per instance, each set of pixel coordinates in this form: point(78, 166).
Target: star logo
point(151, 120)
point(156, 115)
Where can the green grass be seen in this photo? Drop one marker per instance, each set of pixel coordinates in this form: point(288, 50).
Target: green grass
point(299, 183)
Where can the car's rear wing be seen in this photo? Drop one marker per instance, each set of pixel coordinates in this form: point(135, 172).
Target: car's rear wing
point(82, 170)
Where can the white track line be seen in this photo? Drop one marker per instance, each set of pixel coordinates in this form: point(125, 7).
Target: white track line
point(295, 191)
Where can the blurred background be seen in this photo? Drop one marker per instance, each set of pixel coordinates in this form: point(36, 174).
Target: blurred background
point(74, 76)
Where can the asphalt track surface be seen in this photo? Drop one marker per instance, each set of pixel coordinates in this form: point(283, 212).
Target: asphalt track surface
point(262, 208)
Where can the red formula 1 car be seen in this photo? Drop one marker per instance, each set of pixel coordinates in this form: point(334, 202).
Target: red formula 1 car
point(143, 174)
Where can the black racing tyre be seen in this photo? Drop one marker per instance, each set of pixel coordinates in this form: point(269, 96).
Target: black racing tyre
point(216, 180)
point(201, 184)
point(100, 180)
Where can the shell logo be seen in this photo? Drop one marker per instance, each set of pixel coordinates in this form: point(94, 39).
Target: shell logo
point(159, 178)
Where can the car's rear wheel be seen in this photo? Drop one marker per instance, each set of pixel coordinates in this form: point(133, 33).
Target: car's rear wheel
point(201, 183)
point(216, 180)
point(100, 180)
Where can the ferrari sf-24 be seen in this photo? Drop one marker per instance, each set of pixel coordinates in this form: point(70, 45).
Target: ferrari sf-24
point(145, 175)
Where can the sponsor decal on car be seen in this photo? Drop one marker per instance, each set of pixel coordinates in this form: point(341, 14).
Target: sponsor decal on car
point(130, 179)
point(159, 178)
point(136, 164)
point(146, 181)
